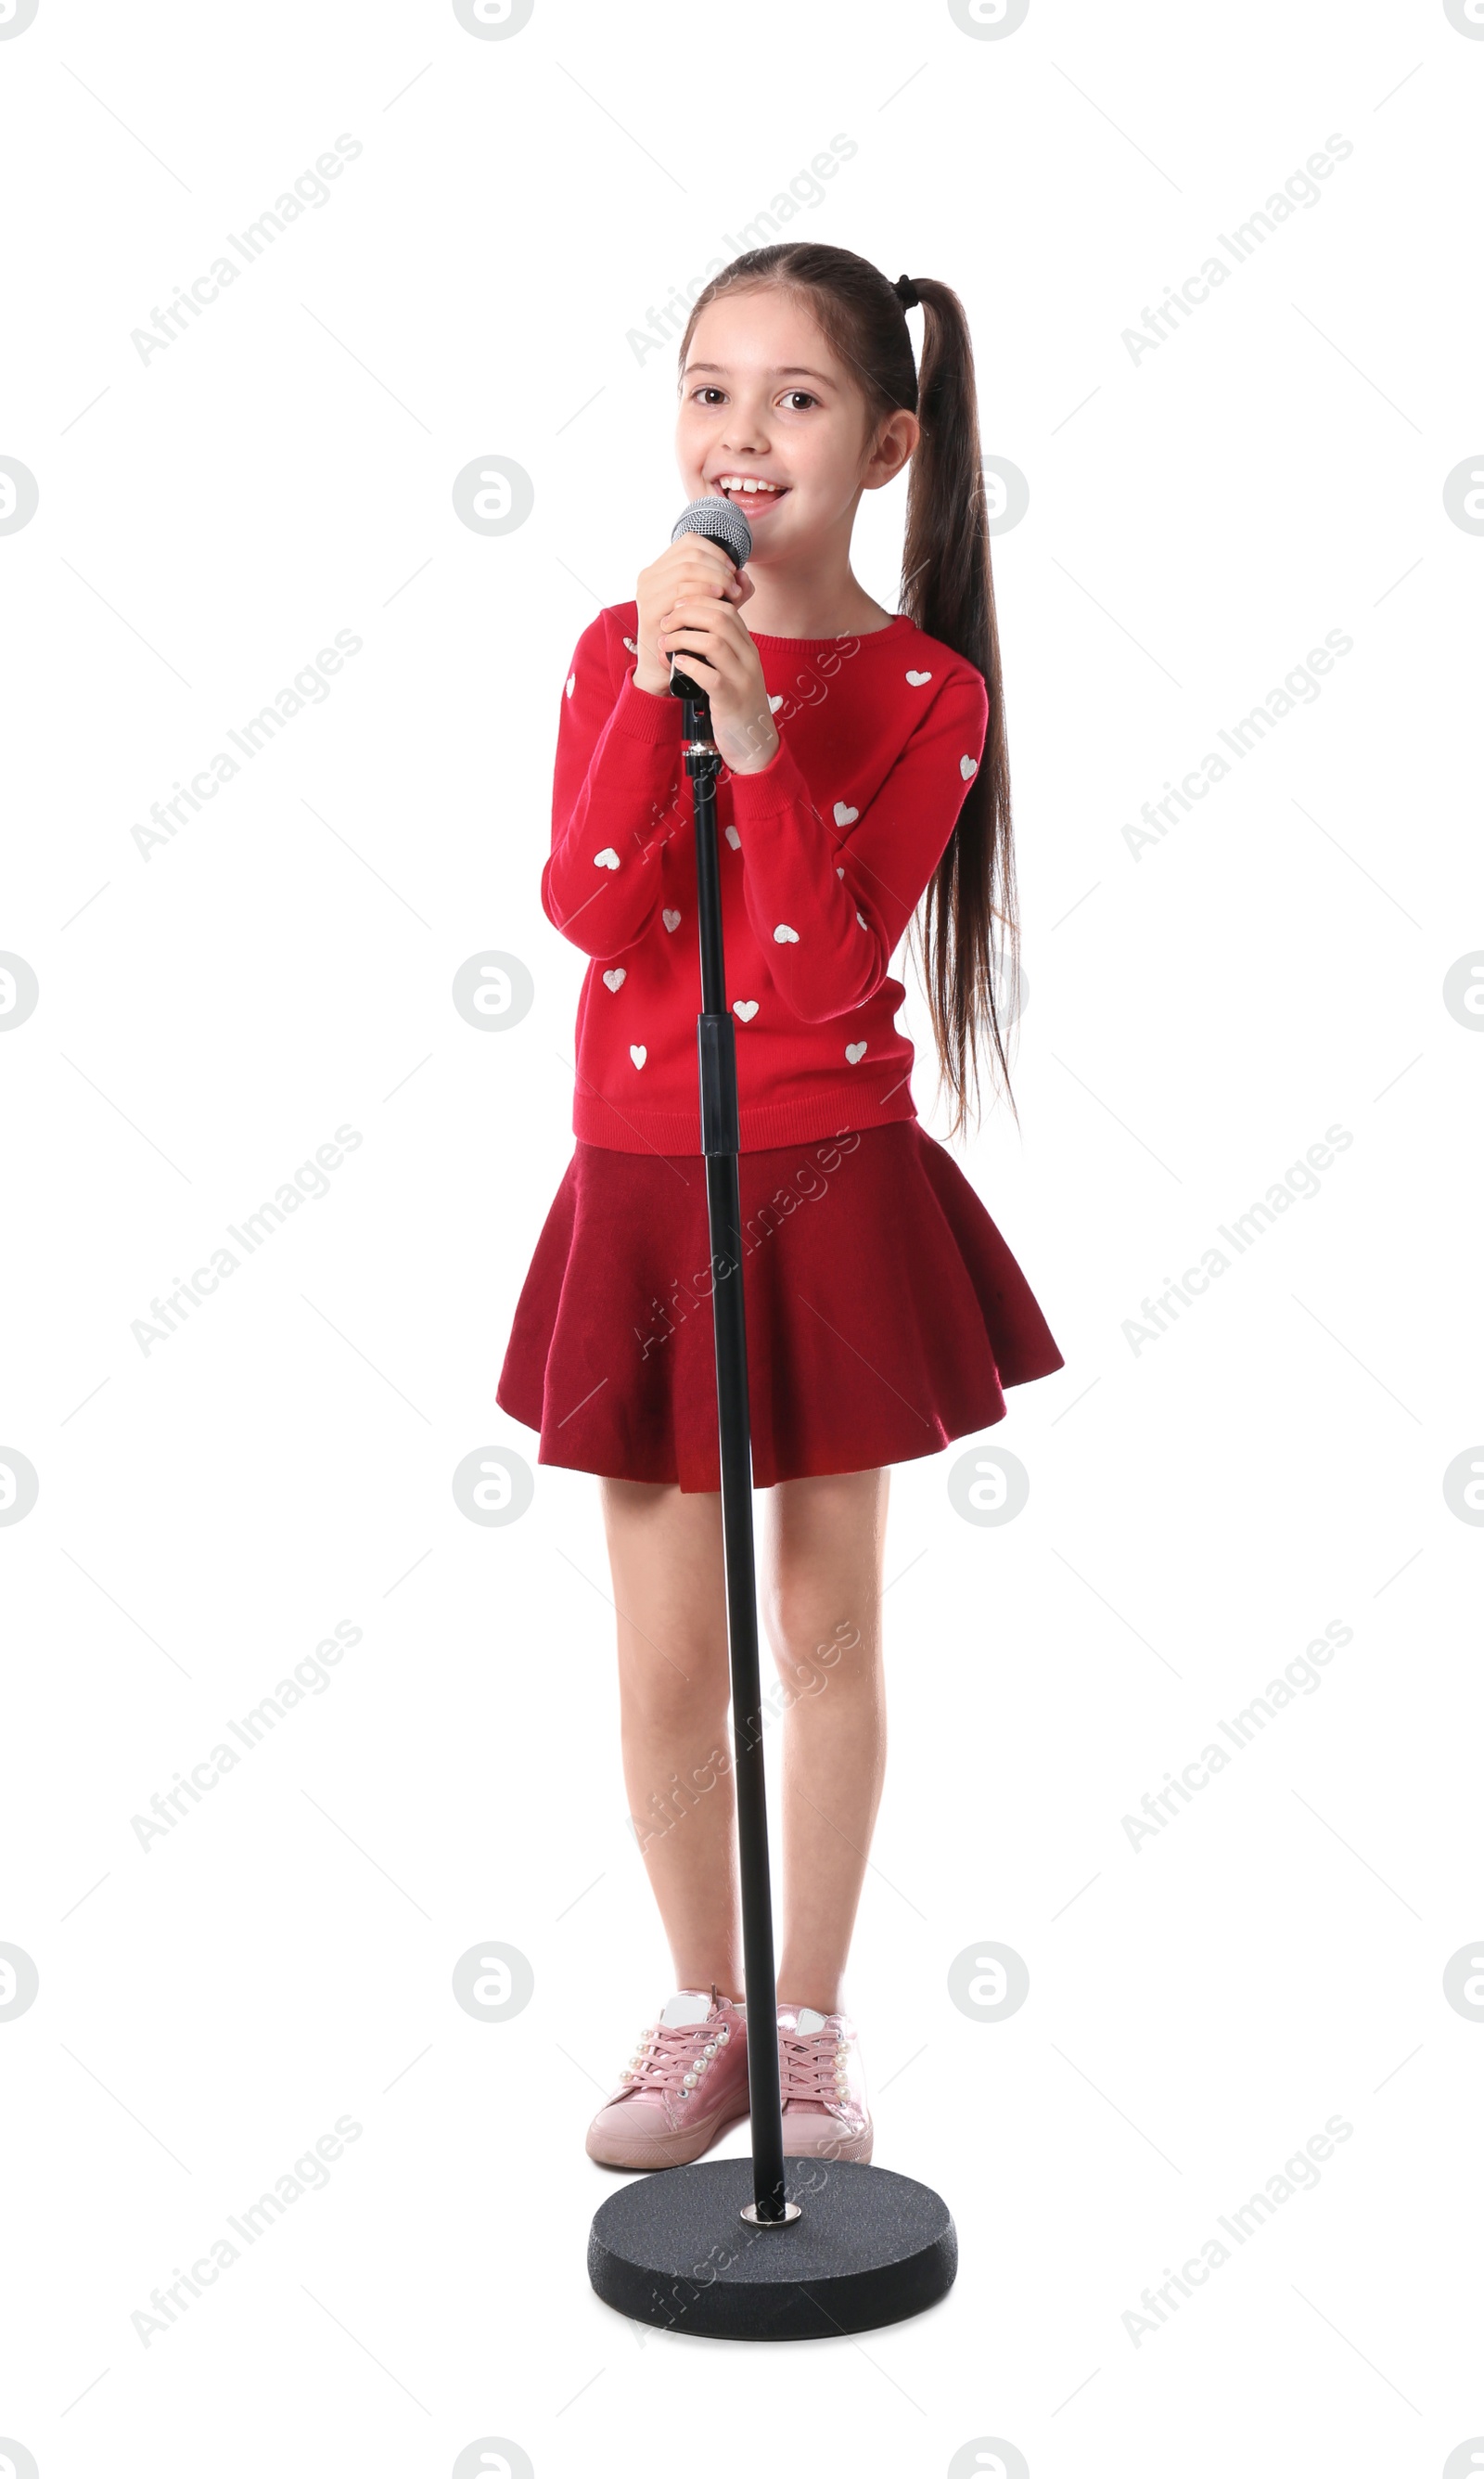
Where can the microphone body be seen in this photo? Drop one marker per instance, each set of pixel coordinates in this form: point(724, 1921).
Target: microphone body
point(715, 518)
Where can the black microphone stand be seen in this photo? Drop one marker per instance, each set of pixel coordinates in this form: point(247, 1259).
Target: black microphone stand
point(865, 2246)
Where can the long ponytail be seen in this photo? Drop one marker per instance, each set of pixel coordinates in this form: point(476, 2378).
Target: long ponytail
point(947, 590)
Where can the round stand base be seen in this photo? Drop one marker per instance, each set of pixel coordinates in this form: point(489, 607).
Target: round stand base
point(868, 2248)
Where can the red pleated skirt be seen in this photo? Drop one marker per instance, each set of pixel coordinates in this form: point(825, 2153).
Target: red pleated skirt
point(885, 1313)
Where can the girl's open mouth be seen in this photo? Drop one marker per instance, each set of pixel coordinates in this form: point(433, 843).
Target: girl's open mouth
point(755, 502)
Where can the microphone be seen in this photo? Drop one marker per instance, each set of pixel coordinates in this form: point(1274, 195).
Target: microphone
point(720, 523)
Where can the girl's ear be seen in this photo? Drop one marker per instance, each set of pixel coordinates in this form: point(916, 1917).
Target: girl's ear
point(895, 442)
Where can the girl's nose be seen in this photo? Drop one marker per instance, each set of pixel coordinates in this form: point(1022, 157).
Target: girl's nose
point(747, 438)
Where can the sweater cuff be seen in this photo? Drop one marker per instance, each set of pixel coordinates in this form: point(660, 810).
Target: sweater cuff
point(657, 721)
point(777, 786)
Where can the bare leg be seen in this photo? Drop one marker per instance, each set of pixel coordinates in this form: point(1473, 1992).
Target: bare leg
point(665, 1549)
point(821, 1578)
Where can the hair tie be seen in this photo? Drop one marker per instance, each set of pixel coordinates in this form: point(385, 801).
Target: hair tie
point(906, 292)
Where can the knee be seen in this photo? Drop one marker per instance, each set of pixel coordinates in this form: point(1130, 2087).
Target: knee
point(809, 1651)
point(659, 1696)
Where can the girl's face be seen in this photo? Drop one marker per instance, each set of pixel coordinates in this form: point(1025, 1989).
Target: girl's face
point(763, 399)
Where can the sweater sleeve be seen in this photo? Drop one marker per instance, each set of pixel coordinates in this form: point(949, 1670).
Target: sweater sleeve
point(830, 888)
point(614, 798)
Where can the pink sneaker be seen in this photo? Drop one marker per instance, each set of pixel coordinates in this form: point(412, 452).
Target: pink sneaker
point(822, 2086)
point(683, 2086)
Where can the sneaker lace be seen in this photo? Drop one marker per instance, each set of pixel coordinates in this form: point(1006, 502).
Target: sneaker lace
point(663, 2055)
point(806, 2066)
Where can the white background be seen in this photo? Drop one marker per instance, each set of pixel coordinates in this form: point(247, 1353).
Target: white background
point(1197, 1017)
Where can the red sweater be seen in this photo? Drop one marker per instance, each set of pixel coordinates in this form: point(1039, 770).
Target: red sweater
point(825, 855)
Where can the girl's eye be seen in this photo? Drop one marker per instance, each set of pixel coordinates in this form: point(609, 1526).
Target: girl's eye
point(793, 397)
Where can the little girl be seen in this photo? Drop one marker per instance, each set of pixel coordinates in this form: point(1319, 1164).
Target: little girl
point(864, 766)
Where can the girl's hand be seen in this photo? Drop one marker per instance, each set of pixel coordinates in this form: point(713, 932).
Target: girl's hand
point(691, 601)
point(729, 670)
point(692, 566)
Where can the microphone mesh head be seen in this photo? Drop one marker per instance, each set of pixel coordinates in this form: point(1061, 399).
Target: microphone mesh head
point(721, 523)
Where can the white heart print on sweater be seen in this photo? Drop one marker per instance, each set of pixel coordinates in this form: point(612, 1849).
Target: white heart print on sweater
point(571, 683)
point(733, 838)
point(919, 679)
point(843, 816)
point(968, 766)
point(607, 858)
point(855, 1051)
point(672, 920)
point(746, 1009)
point(629, 642)
point(620, 974)
point(785, 937)
point(774, 704)
point(639, 1052)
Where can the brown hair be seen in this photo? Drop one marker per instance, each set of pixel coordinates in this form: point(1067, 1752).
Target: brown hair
point(947, 590)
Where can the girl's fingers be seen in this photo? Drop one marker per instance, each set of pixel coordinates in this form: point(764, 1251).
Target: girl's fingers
point(717, 617)
point(697, 641)
point(694, 614)
point(713, 577)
